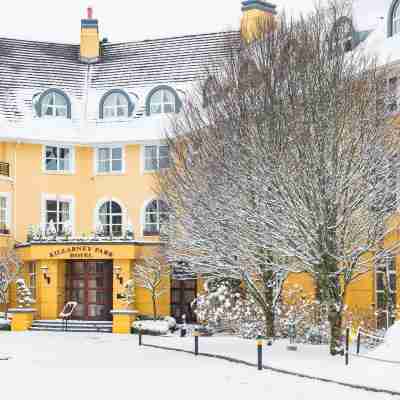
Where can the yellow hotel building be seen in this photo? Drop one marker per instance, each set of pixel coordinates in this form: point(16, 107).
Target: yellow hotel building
point(81, 137)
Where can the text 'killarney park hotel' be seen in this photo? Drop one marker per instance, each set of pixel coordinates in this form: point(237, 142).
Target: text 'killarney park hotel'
point(81, 138)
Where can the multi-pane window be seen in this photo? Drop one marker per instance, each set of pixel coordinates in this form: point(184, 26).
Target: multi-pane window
point(156, 214)
point(396, 19)
point(4, 228)
point(109, 159)
point(110, 217)
point(32, 278)
point(385, 291)
point(58, 158)
point(116, 105)
point(58, 216)
point(156, 157)
point(54, 104)
point(162, 102)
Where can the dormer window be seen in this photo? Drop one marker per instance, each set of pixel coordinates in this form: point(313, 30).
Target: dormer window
point(162, 100)
point(396, 19)
point(54, 103)
point(116, 104)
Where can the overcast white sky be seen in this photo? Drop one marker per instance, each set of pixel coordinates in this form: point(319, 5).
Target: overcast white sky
point(123, 20)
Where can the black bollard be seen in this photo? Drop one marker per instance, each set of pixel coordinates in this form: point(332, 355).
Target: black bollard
point(358, 341)
point(259, 353)
point(196, 342)
point(140, 338)
point(347, 346)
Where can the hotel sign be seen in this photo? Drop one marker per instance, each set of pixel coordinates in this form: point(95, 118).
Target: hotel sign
point(81, 252)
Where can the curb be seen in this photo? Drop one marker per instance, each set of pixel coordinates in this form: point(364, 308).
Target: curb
point(279, 370)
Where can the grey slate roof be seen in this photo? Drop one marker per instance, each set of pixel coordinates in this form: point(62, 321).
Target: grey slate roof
point(29, 67)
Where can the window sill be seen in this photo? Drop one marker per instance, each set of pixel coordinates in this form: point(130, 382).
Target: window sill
point(59, 172)
point(147, 234)
point(6, 178)
point(110, 173)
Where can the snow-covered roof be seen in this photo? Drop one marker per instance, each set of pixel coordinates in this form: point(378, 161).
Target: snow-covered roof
point(29, 68)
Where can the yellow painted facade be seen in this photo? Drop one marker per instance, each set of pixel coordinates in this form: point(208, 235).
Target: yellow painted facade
point(28, 184)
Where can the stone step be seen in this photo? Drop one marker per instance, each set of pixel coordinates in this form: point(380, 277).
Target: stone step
point(69, 324)
point(73, 326)
point(70, 329)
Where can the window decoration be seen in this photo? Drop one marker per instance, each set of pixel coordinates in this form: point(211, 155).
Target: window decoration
point(156, 214)
point(109, 160)
point(116, 104)
point(4, 217)
point(54, 103)
point(156, 157)
point(58, 216)
point(32, 278)
point(58, 158)
point(163, 100)
point(110, 218)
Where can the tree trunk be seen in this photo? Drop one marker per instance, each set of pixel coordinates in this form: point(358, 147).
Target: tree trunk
point(154, 307)
point(269, 312)
point(335, 322)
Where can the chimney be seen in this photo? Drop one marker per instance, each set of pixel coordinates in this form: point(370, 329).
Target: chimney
point(257, 15)
point(90, 41)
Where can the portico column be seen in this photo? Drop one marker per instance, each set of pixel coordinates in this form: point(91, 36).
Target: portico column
point(48, 278)
point(121, 275)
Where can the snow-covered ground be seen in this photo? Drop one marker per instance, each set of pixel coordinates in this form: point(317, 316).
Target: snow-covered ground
point(104, 366)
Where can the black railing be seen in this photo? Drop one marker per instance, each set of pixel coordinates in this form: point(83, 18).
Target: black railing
point(4, 168)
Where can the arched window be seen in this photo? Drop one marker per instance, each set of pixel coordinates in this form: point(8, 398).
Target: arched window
point(156, 214)
point(396, 19)
point(116, 104)
point(110, 218)
point(54, 103)
point(162, 100)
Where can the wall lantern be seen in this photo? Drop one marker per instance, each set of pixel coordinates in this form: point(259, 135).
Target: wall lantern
point(45, 272)
point(117, 271)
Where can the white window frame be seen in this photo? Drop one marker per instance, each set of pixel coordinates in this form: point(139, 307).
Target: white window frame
point(96, 160)
point(8, 210)
point(32, 268)
point(58, 171)
point(396, 19)
point(143, 216)
point(55, 197)
point(115, 107)
point(96, 211)
point(54, 107)
point(143, 157)
point(162, 103)
point(379, 291)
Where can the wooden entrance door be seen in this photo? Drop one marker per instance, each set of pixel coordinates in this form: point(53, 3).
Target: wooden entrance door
point(183, 292)
point(89, 283)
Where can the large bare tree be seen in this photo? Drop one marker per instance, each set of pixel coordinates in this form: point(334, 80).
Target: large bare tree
point(283, 162)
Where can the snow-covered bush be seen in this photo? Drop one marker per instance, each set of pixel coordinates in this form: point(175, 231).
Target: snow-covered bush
point(150, 327)
point(24, 295)
point(171, 322)
point(225, 306)
point(5, 324)
point(302, 317)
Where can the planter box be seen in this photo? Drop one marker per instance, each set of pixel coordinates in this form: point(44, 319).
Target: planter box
point(22, 319)
point(122, 320)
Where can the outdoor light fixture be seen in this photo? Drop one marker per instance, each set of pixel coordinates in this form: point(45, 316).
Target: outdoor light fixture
point(117, 270)
point(45, 271)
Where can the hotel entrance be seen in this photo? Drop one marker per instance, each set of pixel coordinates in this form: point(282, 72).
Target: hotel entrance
point(89, 283)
